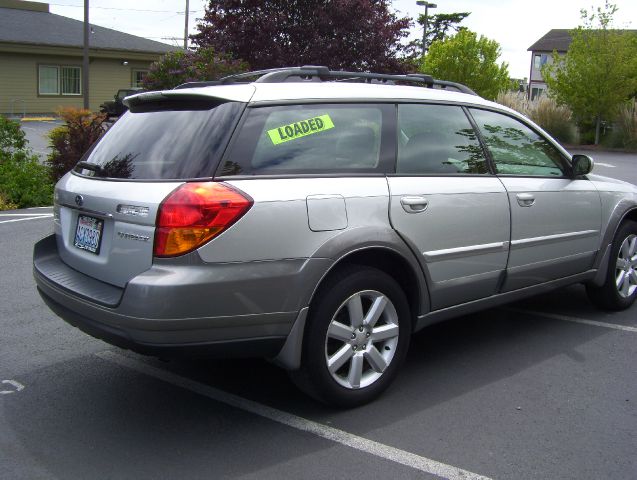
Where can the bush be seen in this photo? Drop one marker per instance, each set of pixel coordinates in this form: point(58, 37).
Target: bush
point(176, 68)
point(626, 126)
point(555, 119)
point(24, 182)
point(71, 141)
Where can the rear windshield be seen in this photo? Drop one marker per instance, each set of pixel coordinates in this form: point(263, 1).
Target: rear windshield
point(181, 142)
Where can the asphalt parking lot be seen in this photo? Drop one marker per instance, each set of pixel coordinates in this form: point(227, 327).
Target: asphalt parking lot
point(545, 388)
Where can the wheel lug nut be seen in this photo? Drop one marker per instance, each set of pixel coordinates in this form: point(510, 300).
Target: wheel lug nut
point(367, 334)
point(354, 347)
point(364, 346)
point(353, 336)
point(360, 329)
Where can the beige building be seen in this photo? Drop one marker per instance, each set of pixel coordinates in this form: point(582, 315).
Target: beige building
point(41, 60)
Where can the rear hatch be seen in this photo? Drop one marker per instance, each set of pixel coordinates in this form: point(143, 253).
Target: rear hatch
point(106, 208)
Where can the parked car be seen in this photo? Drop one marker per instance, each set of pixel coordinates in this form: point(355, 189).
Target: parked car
point(116, 107)
point(320, 223)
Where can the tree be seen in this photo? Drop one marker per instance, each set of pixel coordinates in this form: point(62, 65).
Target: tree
point(438, 26)
point(179, 67)
point(470, 60)
point(341, 34)
point(599, 71)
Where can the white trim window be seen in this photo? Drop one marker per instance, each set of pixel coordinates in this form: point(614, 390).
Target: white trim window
point(138, 77)
point(59, 80)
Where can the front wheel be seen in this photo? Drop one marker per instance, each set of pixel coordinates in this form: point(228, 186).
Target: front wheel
point(357, 336)
point(620, 287)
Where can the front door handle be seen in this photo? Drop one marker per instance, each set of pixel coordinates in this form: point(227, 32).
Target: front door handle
point(414, 204)
point(525, 199)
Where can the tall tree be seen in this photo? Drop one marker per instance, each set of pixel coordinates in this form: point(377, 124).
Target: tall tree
point(439, 26)
point(599, 71)
point(470, 60)
point(341, 34)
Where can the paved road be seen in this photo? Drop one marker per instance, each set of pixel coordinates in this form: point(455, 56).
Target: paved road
point(546, 388)
point(36, 133)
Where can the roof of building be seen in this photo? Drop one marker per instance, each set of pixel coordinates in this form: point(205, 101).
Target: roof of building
point(27, 26)
point(556, 39)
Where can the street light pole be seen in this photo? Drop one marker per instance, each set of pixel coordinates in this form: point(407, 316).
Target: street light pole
point(427, 6)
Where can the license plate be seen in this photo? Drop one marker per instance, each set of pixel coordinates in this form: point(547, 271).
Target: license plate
point(88, 234)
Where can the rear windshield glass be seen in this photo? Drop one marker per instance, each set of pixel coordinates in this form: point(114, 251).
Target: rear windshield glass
point(167, 144)
point(309, 139)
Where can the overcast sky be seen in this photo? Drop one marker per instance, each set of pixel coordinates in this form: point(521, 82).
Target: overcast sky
point(515, 24)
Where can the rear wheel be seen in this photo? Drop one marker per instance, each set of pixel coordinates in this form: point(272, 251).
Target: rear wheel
point(620, 287)
point(356, 338)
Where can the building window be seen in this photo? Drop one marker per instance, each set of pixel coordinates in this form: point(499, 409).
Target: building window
point(48, 80)
point(536, 92)
point(138, 77)
point(59, 80)
point(539, 60)
point(71, 80)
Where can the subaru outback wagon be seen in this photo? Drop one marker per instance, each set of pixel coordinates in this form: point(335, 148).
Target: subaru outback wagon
point(319, 218)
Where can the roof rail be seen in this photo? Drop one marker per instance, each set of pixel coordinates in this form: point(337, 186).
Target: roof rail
point(323, 74)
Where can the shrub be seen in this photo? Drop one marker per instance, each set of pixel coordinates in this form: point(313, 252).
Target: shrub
point(514, 100)
point(72, 140)
point(555, 119)
point(176, 68)
point(5, 204)
point(626, 126)
point(24, 182)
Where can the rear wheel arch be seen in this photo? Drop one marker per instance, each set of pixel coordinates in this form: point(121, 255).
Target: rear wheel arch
point(394, 264)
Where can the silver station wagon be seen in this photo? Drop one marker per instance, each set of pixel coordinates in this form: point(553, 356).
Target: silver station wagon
point(319, 218)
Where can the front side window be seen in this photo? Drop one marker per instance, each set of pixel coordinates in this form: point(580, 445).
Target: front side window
point(308, 139)
point(437, 139)
point(517, 149)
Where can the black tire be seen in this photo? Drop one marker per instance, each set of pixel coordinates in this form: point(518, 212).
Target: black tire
point(372, 287)
point(609, 296)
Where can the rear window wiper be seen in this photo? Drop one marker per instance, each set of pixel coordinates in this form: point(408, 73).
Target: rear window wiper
point(94, 167)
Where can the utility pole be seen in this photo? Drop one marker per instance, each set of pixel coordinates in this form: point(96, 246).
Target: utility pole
point(85, 57)
point(186, 27)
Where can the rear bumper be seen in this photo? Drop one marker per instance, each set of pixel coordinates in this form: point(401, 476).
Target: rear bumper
point(189, 308)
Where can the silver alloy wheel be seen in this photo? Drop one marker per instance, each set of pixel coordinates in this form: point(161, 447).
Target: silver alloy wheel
point(361, 339)
point(626, 267)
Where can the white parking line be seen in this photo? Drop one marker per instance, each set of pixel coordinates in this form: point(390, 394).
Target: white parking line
point(26, 214)
point(608, 165)
point(566, 318)
point(37, 216)
point(377, 449)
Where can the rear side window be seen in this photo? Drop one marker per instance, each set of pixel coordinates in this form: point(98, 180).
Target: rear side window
point(437, 139)
point(309, 139)
point(169, 142)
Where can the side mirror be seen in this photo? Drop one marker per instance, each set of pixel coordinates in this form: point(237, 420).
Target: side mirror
point(582, 165)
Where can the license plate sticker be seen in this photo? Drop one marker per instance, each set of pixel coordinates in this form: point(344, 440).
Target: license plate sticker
point(88, 234)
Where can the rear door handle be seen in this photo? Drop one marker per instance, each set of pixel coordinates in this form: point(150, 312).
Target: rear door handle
point(525, 199)
point(415, 204)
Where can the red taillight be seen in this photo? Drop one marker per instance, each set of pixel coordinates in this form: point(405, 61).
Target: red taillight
point(194, 214)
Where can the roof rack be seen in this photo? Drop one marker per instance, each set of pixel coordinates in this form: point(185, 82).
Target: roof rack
point(324, 74)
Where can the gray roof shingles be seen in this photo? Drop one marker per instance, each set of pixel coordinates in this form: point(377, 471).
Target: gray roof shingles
point(556, 39)
point(40, 28)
